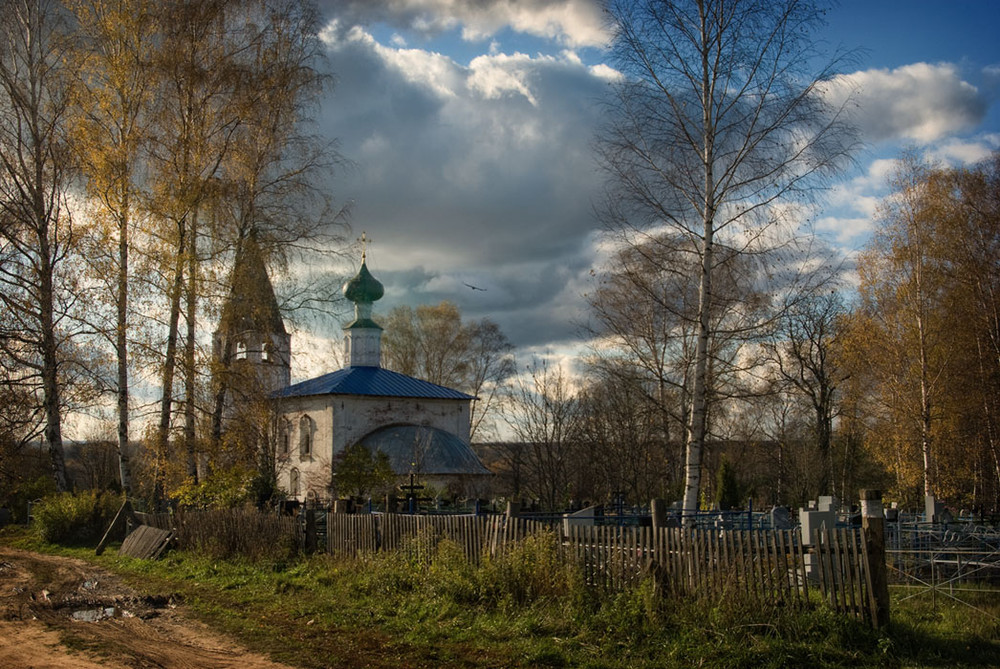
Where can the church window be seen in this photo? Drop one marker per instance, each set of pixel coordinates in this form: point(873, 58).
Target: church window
point(284, 438)
point(265, 352)
point(306, 428)
point(293, 482)
point(241, 350)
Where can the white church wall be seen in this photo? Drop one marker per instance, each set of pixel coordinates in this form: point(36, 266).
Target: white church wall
point(314, 468)
point(359, 416)
point(341, 420)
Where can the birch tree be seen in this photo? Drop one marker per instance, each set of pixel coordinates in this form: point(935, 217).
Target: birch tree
point(116, 42)
point(922, 344)
point(718, 118)
point(195, 120)
point(36, 233)
point(902, 331)
point(973, 241)
point(274, 181)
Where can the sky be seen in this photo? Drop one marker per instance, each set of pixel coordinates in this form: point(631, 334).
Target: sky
point(470, 124)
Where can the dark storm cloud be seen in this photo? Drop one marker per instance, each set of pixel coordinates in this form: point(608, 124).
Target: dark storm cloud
point(480, 171)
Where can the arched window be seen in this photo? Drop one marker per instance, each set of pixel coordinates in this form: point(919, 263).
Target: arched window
point(284, 438)
point(293, 483)
point(241, 350)
point(306, 428)
point(265, 351)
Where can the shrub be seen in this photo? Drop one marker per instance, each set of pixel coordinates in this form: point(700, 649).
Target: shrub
point(237, 533)
point(529, 570)
point(76, 518)
point(20, 494)
point(222, 489)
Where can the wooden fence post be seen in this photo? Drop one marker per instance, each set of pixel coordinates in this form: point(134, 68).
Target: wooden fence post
point(125, 515)
point(873, 532)
point(513, 509)
point(658, 510)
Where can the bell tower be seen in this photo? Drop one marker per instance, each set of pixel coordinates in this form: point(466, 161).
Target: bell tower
point(251, 348)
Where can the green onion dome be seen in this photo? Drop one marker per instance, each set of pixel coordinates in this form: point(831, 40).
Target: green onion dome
point(363, 287)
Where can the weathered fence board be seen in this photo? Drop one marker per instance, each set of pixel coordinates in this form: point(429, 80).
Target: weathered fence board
point(145, 542)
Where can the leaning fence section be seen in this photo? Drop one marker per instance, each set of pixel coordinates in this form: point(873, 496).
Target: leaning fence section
point(229, 532)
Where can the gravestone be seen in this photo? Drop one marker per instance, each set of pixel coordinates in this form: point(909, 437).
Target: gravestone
point(585, 517)
point(781, 519)
point(932, 509)
point(809, 522)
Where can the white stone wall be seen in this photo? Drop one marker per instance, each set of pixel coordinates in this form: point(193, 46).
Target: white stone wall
point(341, 420)
point(314, 470)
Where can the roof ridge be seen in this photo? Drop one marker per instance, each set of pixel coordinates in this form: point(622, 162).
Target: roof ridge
point(371, 381)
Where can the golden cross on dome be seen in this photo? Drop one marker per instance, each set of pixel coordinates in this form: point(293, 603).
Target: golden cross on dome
point(364, 245)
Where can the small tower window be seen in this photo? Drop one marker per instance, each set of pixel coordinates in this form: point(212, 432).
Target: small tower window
point(306, 428)
point(265, 352)
point(293, 482)
point(241, 350)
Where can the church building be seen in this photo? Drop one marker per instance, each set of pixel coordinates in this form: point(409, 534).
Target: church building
point(424, 428)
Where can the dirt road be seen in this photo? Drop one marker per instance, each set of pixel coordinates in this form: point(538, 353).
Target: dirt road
point(62, 613)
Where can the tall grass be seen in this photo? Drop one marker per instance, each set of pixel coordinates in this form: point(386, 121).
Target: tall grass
point(230, 533)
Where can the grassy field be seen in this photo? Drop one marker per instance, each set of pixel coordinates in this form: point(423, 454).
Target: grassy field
point(527, 610)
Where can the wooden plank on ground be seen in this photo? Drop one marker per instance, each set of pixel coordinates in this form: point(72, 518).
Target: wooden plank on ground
point(146, 543)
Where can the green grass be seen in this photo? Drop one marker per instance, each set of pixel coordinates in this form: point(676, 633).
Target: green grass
point(527, 611)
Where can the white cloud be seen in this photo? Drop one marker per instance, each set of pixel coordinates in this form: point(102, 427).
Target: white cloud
point(314, 354)
point(845, 230)
point(496, 75)
point(850, 207)
point(957, 152)
point(481, 174)
point(919, 102)
point(430, 70)
point(605, 72)
point(569, 22)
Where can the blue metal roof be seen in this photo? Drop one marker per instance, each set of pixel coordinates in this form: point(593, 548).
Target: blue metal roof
point(424, 450)
point(371, 381)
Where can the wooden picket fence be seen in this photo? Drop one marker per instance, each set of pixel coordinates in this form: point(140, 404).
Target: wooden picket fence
point(772, 566)
point(352, 535)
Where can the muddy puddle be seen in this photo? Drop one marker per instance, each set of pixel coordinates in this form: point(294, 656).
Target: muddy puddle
point(101, 613)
